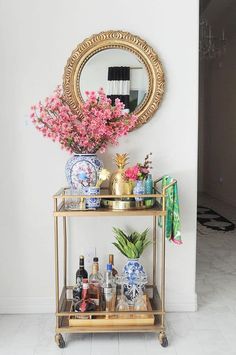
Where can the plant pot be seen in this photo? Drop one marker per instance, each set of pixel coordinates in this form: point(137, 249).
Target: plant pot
point(135, 277)
point(82, 170)
point(92, 202)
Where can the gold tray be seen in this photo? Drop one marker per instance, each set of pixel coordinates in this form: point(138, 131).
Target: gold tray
point(109, 320)
point(131, 204)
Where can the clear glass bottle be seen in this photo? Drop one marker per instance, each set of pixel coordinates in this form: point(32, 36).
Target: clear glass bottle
point(111, 261)
point(95, 282)
point(108, 289)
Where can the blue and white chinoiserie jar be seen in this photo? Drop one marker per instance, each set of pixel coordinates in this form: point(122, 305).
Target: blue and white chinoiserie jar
point(139, 189)
point(82, 170)
point(134, 278)
point(92, 202)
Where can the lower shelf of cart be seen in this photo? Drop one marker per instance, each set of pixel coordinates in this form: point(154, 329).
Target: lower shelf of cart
point(148, 320)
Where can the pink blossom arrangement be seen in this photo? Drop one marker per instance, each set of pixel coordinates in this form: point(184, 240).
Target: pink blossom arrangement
point(102, 123)
point(139, 171)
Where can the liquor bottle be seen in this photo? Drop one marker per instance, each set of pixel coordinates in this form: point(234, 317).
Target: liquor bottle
point(111, 261)
point(85, 304)
point(81, 272)
point(108, 289)
point(95, 282)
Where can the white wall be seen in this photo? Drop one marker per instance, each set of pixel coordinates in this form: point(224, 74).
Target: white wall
point(37, 37)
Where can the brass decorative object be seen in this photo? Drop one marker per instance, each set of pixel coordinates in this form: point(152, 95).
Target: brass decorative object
point(118, 184)
point(131, 204)
point(118, 40)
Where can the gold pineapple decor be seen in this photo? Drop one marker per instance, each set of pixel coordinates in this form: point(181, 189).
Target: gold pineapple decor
point(118, 184)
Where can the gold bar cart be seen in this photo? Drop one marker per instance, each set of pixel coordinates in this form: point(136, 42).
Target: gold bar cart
point(64, 296)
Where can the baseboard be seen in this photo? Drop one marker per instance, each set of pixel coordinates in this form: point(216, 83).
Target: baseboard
point(14, 305)
point(20, 305)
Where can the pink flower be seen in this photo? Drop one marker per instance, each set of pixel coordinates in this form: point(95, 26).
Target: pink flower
point(102, 124)
point(132, 173)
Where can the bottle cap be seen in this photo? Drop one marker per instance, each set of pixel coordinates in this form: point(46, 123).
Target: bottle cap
point(109, 267)
point(95, 259)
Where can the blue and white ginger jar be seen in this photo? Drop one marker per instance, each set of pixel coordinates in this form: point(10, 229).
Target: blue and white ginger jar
point(92, 202)
point(82, 170)
point(139, 189)
point(135, 279)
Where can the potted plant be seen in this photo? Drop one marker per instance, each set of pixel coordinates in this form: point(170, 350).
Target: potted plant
point(132, 246)
point(102, 124)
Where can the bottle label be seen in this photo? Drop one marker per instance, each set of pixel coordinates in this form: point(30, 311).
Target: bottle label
point(95, 300)
point(79, 280)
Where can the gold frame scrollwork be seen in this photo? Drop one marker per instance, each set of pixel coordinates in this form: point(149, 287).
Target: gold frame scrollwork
point(122, 40)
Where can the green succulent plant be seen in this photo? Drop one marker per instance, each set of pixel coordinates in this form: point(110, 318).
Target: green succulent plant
point(132, 245)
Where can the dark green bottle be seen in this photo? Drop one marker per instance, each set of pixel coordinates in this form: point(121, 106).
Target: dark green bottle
point(81, 272)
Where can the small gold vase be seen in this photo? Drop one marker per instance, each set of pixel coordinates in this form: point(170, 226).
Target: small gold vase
point(118, 184)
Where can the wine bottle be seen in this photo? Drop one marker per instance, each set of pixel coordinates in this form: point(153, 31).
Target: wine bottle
point(81, 273)
point(77, 290)
point(111, 261)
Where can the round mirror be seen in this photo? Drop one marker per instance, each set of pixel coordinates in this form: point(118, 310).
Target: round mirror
point(120, 73)
point(124, 65)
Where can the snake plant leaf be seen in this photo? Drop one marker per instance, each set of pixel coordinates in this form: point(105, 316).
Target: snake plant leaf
point(121, 241)
point(131, 245)
point(144, 234)
point(123, 246)
point(118, 231)
point(133, 249)
point(139, 247)
point(120, 249)
point(134, 237)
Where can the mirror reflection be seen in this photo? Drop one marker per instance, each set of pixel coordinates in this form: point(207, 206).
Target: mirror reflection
point(120, 73)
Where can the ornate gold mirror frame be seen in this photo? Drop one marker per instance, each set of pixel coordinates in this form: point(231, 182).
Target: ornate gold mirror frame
point(122, 40)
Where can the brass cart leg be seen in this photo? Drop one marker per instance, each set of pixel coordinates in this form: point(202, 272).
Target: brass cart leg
point(162, 336)
point(58, 337)
point(65, 251)
point(154, 248)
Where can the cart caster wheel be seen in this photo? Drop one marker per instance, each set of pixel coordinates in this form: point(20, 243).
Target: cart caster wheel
point(163, 340)
point(60, 341)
